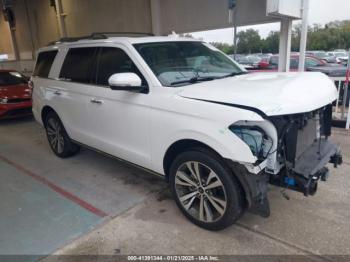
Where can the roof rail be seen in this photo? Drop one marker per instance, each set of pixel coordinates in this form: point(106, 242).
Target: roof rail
point(127, 34)
point(100, 35)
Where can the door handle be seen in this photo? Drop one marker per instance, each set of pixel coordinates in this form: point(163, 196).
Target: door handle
point(96, 101)
point(58, 93)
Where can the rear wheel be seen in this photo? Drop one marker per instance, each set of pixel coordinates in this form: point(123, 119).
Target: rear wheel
point(205, 190)
point(58, 138)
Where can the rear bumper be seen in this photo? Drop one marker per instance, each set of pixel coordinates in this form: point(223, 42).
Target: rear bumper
point(15, 110)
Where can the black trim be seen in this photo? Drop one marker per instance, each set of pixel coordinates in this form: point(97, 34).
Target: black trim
point(253, 109)
point(121, 160)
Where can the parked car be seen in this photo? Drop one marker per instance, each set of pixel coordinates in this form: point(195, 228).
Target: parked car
point(15, 95)
point(311, 64)
point(322, 55)
point(340, 57)
point(249, 61)
point(183, 109)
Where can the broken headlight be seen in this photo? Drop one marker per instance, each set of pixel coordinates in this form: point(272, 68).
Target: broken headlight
point(259, 143)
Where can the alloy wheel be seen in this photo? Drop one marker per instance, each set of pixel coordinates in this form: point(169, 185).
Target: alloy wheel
point(55, 136)
point(200, 191)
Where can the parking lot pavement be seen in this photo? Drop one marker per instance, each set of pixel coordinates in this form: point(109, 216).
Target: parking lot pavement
point(146, 221)
point(78, 193)
point(318, 225)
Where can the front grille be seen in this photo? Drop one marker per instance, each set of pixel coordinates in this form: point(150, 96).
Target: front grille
point(18, 100)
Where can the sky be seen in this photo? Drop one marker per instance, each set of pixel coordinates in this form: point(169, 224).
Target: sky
point(321, 12)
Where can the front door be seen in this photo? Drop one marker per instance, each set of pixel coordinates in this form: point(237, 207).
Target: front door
point(118, 121)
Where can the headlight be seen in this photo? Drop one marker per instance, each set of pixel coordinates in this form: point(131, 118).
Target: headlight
point(259, 143)
point(3, 100)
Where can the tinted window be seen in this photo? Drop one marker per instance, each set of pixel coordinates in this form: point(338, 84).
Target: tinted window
point(112, 61)
point(44, 63)
point(78, 65)
point(11, 78)
point(310, 62)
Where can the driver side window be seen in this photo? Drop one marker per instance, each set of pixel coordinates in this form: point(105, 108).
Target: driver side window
point(112, 60)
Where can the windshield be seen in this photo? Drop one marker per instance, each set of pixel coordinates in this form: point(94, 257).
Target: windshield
point(183, 63)
point(11, 78)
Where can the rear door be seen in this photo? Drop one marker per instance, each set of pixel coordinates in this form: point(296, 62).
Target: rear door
point(70, 91)
point(40, 80)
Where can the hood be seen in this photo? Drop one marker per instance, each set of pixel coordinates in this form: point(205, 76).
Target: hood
point(270, 93)
point(15, 91)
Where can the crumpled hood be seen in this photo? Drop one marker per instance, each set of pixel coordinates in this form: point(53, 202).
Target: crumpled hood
point(270, 93)
point(15, 91)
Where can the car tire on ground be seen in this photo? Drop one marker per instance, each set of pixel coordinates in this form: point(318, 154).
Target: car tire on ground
point(58, 138)
point(205, 190)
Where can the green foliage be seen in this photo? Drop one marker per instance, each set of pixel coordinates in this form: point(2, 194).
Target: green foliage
point(226, 48)
point(249, 41)
point(334, 35)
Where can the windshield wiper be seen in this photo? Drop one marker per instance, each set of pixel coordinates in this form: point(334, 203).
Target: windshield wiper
point(194, 80)
point(205, 78)
point(234, 74)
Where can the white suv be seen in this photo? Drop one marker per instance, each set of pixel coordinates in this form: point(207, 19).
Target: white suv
point(181, 108)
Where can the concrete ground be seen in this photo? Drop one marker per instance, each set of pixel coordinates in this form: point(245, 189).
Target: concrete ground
point(122, 210)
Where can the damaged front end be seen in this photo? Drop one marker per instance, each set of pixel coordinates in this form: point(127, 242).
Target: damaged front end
point(292, 152)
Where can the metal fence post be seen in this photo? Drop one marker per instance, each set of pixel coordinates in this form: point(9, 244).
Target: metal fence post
point(346, 86)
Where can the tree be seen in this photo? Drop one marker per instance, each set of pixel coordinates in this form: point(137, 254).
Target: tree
point(334, 35)
point(271, 43)
point(226, 48)
point(249, 41)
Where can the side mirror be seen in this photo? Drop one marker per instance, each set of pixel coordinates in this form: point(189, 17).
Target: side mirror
point(125, 81)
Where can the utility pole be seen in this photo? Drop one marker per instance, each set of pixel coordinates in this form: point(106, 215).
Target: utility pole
point(60, 18)
point(303, 34)
point(233, 13)
point(235, 33)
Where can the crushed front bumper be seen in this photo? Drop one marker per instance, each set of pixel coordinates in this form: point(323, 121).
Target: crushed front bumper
point(308, 169)
point(316, 157)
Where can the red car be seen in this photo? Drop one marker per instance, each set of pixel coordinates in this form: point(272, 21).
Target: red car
point(312, 64)
point(15, 95)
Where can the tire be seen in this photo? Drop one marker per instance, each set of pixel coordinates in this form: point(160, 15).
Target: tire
point(58, 138)
point(215, 202)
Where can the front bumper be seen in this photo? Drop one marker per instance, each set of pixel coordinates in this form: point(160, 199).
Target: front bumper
point(316, 157)
point(308, 169)
point(15, 110)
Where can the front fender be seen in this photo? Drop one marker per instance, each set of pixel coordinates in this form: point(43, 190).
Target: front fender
point(221, 140)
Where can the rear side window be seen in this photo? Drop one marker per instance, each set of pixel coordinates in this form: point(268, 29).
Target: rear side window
point(113, 60)
point(44, 63)
point(78, 65)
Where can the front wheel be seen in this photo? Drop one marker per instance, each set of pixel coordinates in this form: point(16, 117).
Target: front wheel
point(205, 190)
point(58, 138)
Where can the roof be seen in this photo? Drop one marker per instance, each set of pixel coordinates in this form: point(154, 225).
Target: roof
point(116, 39)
